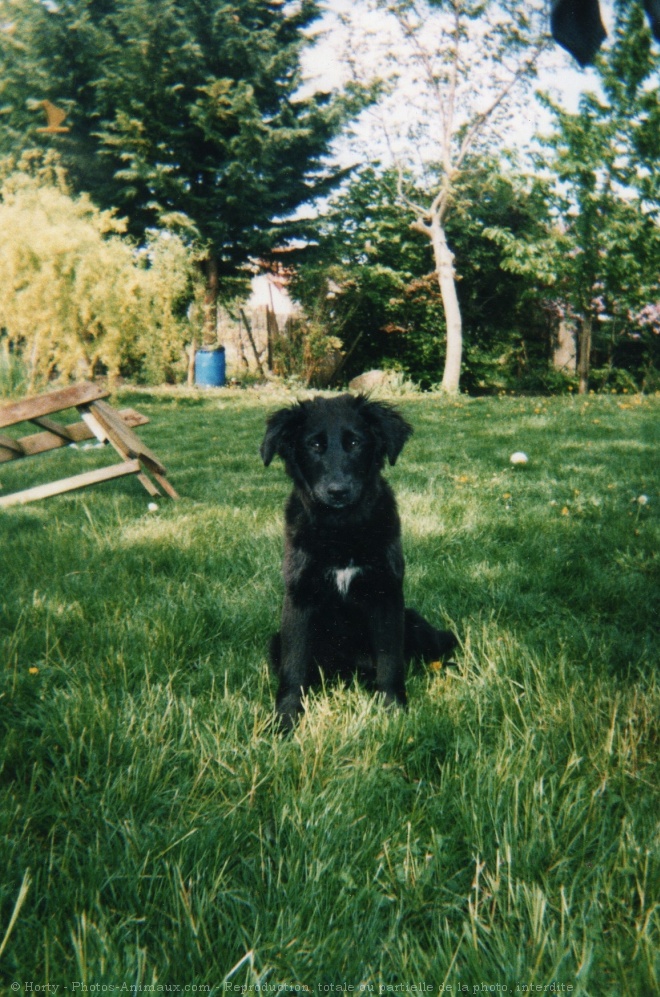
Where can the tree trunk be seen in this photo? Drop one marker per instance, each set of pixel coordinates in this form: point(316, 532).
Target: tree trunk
point(209, 334)
point(444, 263)
point(584, 353)
point(211, 301)
point(192, 352)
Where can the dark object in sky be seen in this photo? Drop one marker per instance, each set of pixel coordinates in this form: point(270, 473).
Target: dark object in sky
point(652, 8)
point(576, 25)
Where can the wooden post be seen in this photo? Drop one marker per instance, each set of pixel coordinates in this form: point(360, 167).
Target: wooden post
point(252, 342)
point(273, 332)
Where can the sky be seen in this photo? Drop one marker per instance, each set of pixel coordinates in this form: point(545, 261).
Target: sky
point(325, 68)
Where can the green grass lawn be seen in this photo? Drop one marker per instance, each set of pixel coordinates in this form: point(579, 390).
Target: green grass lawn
point(500, 836)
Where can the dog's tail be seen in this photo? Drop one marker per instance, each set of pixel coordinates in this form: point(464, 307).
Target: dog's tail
point(424, 642)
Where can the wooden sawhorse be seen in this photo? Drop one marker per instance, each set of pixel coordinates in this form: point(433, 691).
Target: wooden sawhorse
point(99, 420)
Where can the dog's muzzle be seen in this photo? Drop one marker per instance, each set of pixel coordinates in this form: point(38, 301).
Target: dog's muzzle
point(337, 496)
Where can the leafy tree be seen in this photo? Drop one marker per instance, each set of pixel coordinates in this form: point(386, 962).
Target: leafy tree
point(601, 260)
point(182, 113)
point(464, 65)
point(369, 278)
point(78, 295)
point(363, 277)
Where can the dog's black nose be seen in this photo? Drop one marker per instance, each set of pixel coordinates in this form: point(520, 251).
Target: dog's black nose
point(338, 494)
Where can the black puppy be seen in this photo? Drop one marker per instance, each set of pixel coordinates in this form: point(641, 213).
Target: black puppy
point(343, 563)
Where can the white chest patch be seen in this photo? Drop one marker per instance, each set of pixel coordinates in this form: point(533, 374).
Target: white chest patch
point(344, 577)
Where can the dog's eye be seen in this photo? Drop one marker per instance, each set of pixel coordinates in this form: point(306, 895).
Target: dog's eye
point(351, 442)
point(316, 444)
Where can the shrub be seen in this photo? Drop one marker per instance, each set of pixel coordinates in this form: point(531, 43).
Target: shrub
point(80, 298)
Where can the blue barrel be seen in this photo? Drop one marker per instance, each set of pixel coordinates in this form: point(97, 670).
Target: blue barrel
point(210, 368)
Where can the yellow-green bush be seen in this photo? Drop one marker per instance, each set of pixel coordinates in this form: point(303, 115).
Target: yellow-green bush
point(77, 295)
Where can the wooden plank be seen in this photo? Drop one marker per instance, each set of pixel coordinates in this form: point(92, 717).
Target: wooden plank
point(36, 443)
point(80, 431)
point(53, 427)
point(71, 484)
point(132, 417)
point(10, 444)
point(33, 444)
point(124, 440)
point(97, 429)
point(165, 485)
point(54, 401)
point(147, 483)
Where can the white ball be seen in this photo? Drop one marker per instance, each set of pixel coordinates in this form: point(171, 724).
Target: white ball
point(518, 457)
point(152, 507)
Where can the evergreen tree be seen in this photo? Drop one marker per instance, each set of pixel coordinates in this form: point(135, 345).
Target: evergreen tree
point(182, 113)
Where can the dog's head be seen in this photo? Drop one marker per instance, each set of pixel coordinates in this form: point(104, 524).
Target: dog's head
point(331, 447)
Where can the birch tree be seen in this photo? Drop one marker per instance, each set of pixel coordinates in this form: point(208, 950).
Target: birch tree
point(462, 69)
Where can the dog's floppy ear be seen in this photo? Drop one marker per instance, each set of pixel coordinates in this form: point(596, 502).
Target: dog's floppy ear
point(389, 427)
point(281, 429)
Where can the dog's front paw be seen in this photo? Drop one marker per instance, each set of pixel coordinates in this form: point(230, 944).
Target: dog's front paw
point(392, 697)
point(288, 708)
